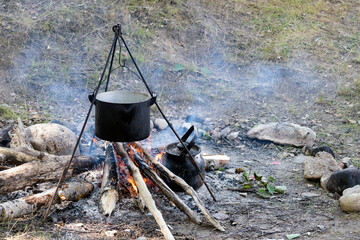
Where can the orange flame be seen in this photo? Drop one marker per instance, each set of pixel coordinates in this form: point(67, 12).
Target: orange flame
point(158, 157)
point(132, 182)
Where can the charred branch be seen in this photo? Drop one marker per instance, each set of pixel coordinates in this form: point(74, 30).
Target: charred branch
point(179, 181)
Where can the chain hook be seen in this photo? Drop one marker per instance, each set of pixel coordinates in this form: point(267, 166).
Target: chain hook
point(117, 29)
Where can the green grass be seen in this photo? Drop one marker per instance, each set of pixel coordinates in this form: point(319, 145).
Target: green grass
point(7, 113)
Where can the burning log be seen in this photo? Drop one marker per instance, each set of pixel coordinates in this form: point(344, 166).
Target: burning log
point(71, 191)
point(143, 191)
point(151, 174)
point(109, 195)
point(188, 189)
point(49, 168)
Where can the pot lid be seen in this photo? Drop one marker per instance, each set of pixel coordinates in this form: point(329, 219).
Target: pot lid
point(177, 149)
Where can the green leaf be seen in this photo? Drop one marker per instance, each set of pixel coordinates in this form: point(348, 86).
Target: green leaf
point(178, 67)
point(263, 193)
point(221, 169)
point(205, 70)
point(292, 236)
point(270, 188)
point(247, 186)
point(271, 179)
point(280, 189)
point(246, 176)
point(257, 177)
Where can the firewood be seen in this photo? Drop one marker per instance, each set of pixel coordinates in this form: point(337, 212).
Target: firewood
point(188, 189)
point(71, 191)
point(109, 195)
point(12, 156)
point(144, 192)
point(215, 161)
point(47, 169)
point(166, 190)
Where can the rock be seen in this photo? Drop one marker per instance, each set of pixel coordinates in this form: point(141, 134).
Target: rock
point(52, 138)
point(194, 118)
point(316, 167)
point(324, 180)
point(343, 179)
point(111, 233)
point(215, 135)
point(160, 124)
point(350, 203)
point(284, 133)
point(310, 194)
point(225, 132)
point(151, 124)
point(352, 190)
point(141, 238)
point(221, 216)
point(232, 136)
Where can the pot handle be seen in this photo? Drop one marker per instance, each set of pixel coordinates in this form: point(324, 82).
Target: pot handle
point(185, 137)
point(153, 99)
point(91, 97)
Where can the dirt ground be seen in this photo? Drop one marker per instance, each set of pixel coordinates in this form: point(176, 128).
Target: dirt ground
point(249, 217)
point(232, 67)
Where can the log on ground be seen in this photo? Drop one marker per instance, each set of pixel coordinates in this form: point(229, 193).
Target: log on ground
point(47, 169)
point(70, 191)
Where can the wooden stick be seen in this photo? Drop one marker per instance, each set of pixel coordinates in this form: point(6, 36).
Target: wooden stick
point(109, 195)
point(187, 188)
point(71, 191)
point(144, 192)
point(160, 183)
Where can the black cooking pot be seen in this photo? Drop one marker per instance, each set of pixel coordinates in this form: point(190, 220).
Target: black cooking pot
point(178, 161)
point(122, 116)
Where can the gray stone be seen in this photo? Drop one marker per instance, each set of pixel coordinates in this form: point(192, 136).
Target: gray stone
point(343, 179)
point(141, 238)
point(52, 138)
point(350, 203)
point(221, 216)
point(310, 194)
point(160, 124)
point(352, 190)
point(284, 133)
point(225, 132)
point(215, 135)
point(322, 164)
point(232, 136)
point(324, 180)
